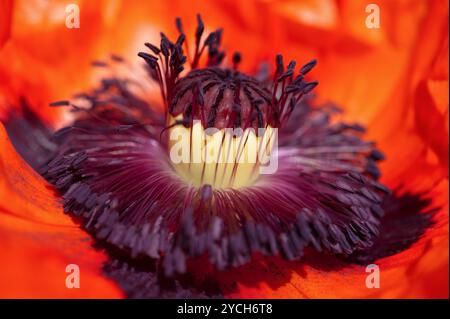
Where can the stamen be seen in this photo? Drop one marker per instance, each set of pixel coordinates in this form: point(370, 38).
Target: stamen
point(236, 60)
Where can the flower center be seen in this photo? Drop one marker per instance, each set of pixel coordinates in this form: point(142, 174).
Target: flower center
point(220, 128)
point(222, 123)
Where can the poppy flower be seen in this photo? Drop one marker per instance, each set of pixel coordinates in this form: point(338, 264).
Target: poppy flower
point(87, 168)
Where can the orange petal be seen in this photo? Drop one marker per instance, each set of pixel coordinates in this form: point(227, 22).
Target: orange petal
point(432, 102)
point(5, 21)
point(38, 240)
point(44, 60)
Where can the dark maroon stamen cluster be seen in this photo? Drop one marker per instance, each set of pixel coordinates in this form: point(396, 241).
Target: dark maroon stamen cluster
point(114, 172)
point(223, 97)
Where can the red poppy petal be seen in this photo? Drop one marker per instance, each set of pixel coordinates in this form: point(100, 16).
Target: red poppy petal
point(38, 240)
point(41, 44)
point(432, 102)
point(5, 21)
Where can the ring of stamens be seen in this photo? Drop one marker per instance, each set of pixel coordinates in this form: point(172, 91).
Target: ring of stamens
point(114, 171)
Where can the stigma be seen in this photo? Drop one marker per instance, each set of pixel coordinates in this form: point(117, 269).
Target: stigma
point(222, 158)
point(221, 128)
